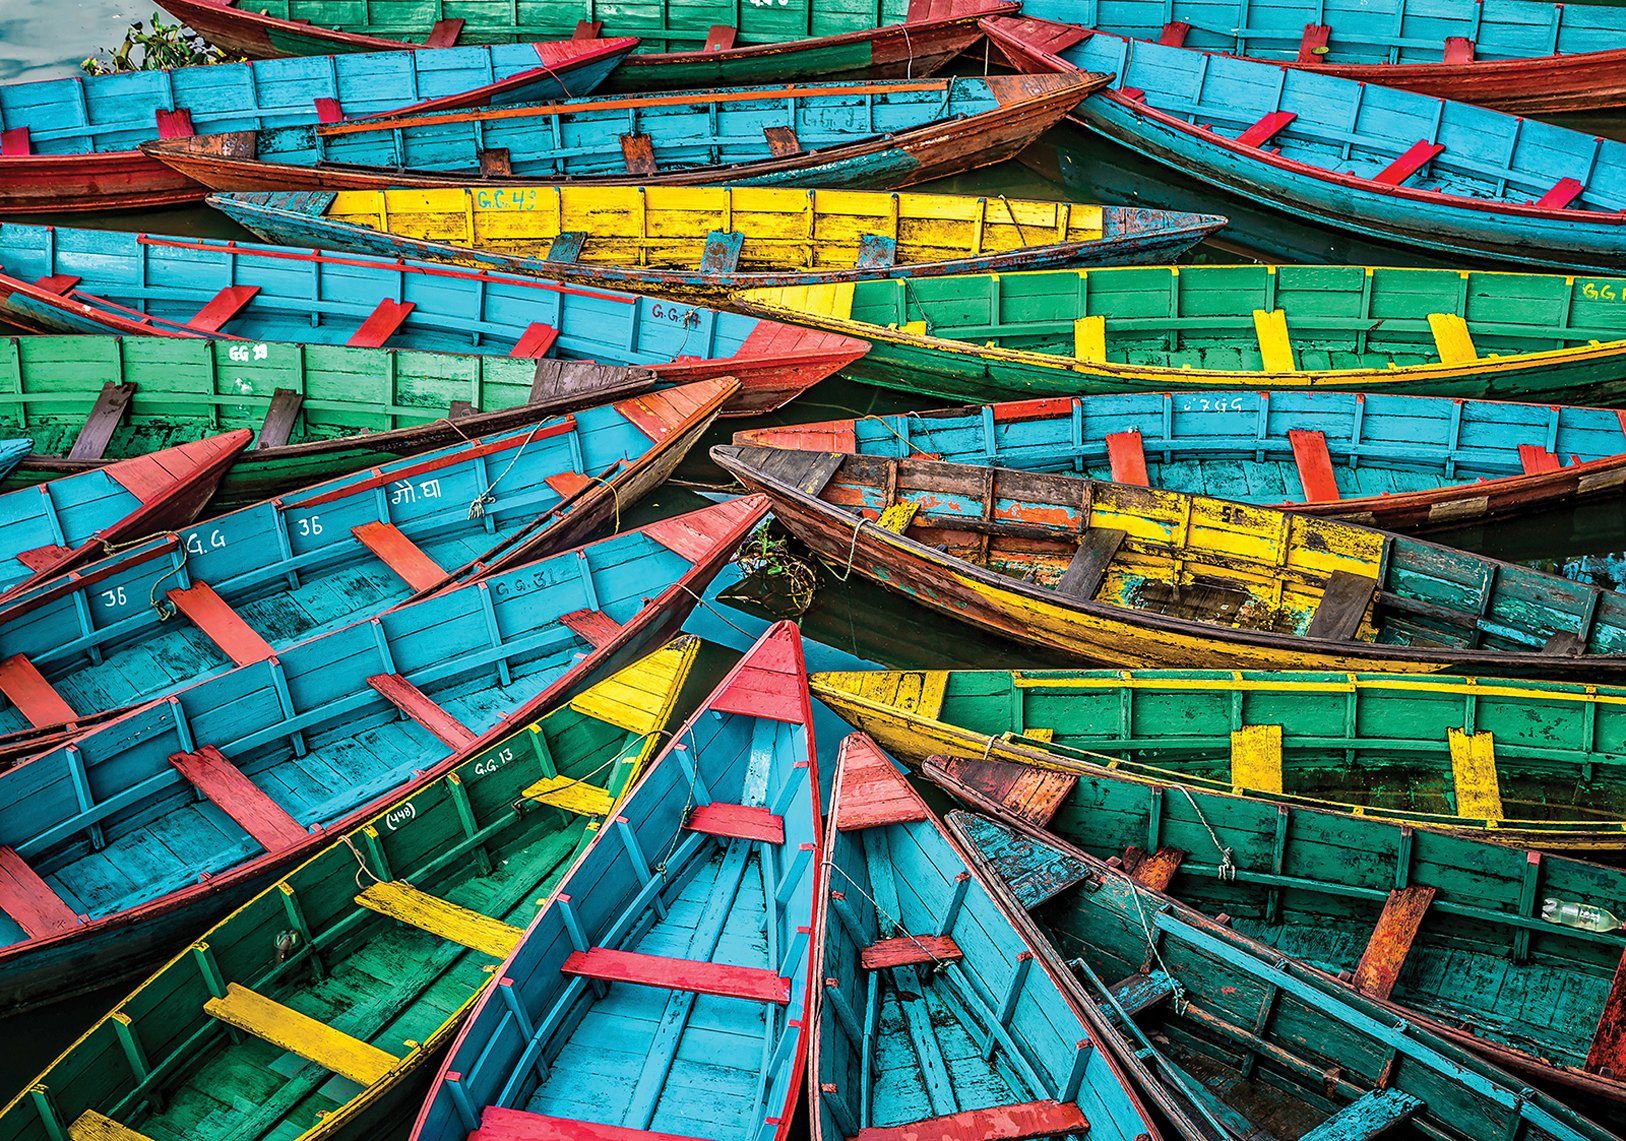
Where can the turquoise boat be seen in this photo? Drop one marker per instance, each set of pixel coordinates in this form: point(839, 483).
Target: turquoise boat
point(120, 844)
point(240, 588)
point(932, 1021)
point(666, 990)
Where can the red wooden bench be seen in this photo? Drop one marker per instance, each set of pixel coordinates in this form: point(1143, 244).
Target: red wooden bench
point(909, 951)
point(537, 341)
point(223, 307)
point(35, 698)
point(1314, 462)
point(1536, 459)
point(221, 624)
point(1419, 155)
point(419, 707)
point(1313, 44)
point(997, 1123)
point(1127, 455)
point(594, 625)
point(755, 984)
point(737, 822)
point(380, 325)
point(31, 903)
point(500, 1124)
point(225, 785)
point(176, 124)
point(1391, 941)
point(400, 554)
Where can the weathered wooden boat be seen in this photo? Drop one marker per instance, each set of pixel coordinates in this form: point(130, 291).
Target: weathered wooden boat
point(1460, 932)
point(683, 45)
point(1173, 328)
point(14, 452)
point(1132, 576)
point(931, 1021)
point(1527, 56)
point(127, 841)
point(50, 529)
point(316, 411)
point(96, 281)
point(1488, 759)
point(1261, 1042)
point(703, 241)
point(1413, 169)
point(448, 879)
point(881, 134)
point(1399, 462)
point(241, 587)
point(666, 991)
point(73, 144)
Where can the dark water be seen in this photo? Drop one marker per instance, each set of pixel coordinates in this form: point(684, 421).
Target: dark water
point(39, 40)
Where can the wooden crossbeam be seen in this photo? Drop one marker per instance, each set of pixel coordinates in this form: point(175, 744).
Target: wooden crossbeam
point(536, 342)
point(997, 1123)
point(1535, 459)
point(909, 951)
point(16, 142)
point(221, 624)
point(720, 37)
point(1256, 758)
point(1266, 128)
point(1126, 452)
point(1391, 940)
point(222, 307)
point(93, 1126)
point(1090, 339)
point(29, 901)
point(1155, 871)
point(408, 560)
point(566, 248)
point(1564, 191)
point(605, 964)
point(386, 318)
point(638, 151)
point(176, 124)
point(1458, 49)
point(1275, 346)
point(1452, 340)
point(1417, 156)
point(571, 795)
point(1473, 771)
point(1314, 461)
point(444, 34)
point(876, 252)
point(1608, 1049)
point(419, 707)
point(1370, 1115)
point(737, 822)
point(34, 697)
point(278, 427)
point(229, 789)
point(1313, 44)
point(328, 110)
point(1174, 33)
point(782, 141)
point(721, 253)
point(1343, 606)
point(334, 1050)
point(594, 625)
point(1088, 567)
point(105, 417)
point(442, 918)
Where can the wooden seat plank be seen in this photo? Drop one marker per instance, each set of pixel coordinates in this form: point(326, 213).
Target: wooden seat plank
point(386, 318)
point(1030, 793)
point(587, 29)
point(876, 252)
point(419, 707)
point(605, 964)
point(408, 560)
point(106, 415)
point(782, 141)
point(1127, 455)
point(1256, 758)
point(737, 822)
point(537, 341)
point(1266, 128)
point(16, 142)
point(1156, 871)
point(909, 951)
point(1473, 773)
point(1344, 603)
point(1452, 339)
point(1564, 191)
point(1090, 339)
point(1313, 43)
point(222, 307)
point(34, 697)
point(638, 151)
point(328, 110)
point(496, 162)
point(721, 253)
point(566, 248)
point(1370, 1115)
point(500, 1124)
point(60, 284)
point(334, 1050)
point(221, 624)
point(444, 33)
point(996, 1123)
point(442, 918)
point(1535, 459)
point(570, 795)
point(1458, 49)
point(1417, 156)
point(720, 37)
point(32, 903)
point(1088, 567)
point(594, 625)
point(176, 124)
point(92, 1126)
point(229, 789)
point(1314, 461)
point(1391, 941)
point(1275, 345)
point(1174, 33)
point(1141, 992)
point(278, 427)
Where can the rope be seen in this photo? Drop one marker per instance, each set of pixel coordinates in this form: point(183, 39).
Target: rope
point(478, 505)
point(361, 863)
point(881, 913)
point(688, 807)
point(852, 552)
point(1227, 867)
point(167, 609)
point(1178, 994)
point(1011, 212)
point(899, 436)
point(690, 592)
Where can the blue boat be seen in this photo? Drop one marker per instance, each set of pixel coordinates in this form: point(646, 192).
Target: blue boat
point(139, 832)
point(1526, 56)
point(72, 144)
point(97, 281)
point(49, 529)
point(12, 453)
point(1412, 169)
point(237, 589)
point(881, 134)
point(932, 1021)
point(1403, 463)
point(664, 992)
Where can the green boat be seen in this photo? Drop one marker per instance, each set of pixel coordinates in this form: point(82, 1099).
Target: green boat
point(318, 411)
point(1231, 1033)
point(1537, 764)
point(317, 1008)
point(1440, 332)
point(1472, 936)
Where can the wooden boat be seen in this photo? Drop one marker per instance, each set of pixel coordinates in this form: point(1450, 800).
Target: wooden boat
point(1130, 576)
point(706, 241)
point(1360, 899)
point(14, 452)
point(241, 587)
point(1259, 1041)
point(97, 281)
point(129, 840)
point(1412, 169)
point(317, 411)
point(882, 134)
point(666, 988)
point(920, 960)
point(71, 144)
point(50, 529)
point(683, 45)
point(1172, 328)
point(1527, 56)
point(449, 877)
point(1486, 759)
point(1399, 462)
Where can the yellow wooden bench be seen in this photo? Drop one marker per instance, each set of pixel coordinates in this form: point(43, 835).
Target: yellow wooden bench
point(450, 921)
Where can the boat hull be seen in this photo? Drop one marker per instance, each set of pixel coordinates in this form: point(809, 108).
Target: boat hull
point(1541, 85)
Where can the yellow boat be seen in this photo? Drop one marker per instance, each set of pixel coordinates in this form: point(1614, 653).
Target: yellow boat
point(709, 241)
point(1440, 332)
point(1136, 577)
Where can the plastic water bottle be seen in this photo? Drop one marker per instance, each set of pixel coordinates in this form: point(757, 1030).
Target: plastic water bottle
point(1586, 916)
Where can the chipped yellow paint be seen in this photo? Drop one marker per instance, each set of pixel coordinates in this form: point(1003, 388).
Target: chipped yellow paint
point(92, 1126)
point(640, 697)
point(1275, 346)
point(334, 1050)
point(897, 517)
point(1473, 772)
point(665, 227)
point(1256, 758)
point(915, 692)
point(1452, 339)
point(1090, 339)
point(571, 795)
point(1036, 734)
point(441, 917)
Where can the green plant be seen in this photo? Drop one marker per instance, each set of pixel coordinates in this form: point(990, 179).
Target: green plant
point(774, 576)
point(152, 49)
